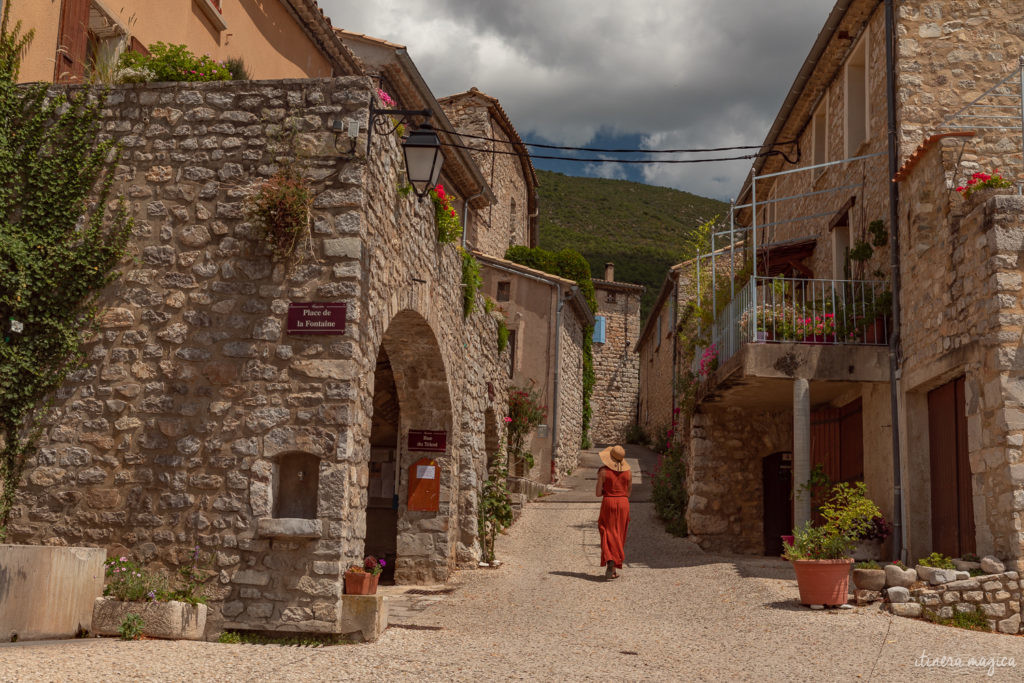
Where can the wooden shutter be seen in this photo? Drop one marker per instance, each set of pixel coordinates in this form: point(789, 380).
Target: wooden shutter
point(137, 46)
point(72, 41)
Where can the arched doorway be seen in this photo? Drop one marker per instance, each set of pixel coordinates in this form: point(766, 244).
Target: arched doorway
point(411, 395)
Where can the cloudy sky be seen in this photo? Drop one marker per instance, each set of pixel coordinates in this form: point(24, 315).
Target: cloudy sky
point(640, 74)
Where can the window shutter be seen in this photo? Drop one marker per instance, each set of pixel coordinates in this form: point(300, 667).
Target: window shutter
point(73, 42)
point(599, 326)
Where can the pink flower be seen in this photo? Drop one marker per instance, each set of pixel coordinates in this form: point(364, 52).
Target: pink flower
point(507, 420)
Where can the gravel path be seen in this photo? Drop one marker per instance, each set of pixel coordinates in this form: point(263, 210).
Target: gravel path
point(676, 614)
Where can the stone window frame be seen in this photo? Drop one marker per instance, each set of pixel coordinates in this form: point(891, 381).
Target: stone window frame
point(819, 135)
point(610, 297)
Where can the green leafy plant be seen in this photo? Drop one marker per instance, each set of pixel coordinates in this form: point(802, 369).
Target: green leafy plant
point(170, 63)
point(879, 236)
point(817, 543)
point(131, 627)
point(251, 638)
point(236, 67)
point(974, 621)
point(870, 564)
point(495, 509)
point(503, 334)
point(849, 512)
point(280, 207)
point(58, 246)
point(489, 305)
point(899, 564)
point(524, 414)
point(192, 579)
point(636, 434)
point(970, 557)
point(449, 228)
point(937, 560)
point(861, 251)
point(817, 484)
point(571, 265)
point(471, 281)
point(668, 489)
point(128, 582)
point(977, 572)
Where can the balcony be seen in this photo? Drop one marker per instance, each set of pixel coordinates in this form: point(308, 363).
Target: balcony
point(775, 329)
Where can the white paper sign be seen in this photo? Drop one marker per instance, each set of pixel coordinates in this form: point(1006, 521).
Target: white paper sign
point(424, 471)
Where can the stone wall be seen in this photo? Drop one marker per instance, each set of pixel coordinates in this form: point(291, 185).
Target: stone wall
point(657, 369)
point(570, 394)
point(506, 222)
point(949, 53)
point(966, 321)
point(726, 511)
point(996, 596)
point(616, 364)
point(174, 435)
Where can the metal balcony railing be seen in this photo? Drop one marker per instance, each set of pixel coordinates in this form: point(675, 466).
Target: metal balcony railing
point(802, 311)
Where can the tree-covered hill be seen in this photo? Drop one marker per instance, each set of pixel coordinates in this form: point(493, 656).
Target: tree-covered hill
point(638, 227)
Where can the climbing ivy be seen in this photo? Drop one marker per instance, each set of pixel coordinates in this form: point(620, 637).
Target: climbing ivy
point(572, 266)
point(471, 282)
point(57, 250)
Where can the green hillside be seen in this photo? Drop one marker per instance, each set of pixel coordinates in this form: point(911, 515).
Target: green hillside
point(638, 227)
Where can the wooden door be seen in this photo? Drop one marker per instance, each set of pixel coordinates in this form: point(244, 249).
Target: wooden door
point(777, 487)
point(952, 495)
point(837, 444)
point(72, 41)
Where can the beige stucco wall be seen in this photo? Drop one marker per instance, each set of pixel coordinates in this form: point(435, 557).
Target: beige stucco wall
point(263, 34)
point(530, 313)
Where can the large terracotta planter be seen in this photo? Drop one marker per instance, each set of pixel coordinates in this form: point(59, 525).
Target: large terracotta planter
point(361, 583)
point(823, 582)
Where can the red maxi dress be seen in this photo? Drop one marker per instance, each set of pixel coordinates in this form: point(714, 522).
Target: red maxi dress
point(614, 518)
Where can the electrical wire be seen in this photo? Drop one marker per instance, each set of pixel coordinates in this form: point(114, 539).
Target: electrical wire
point(622, 151)
point(601, 160)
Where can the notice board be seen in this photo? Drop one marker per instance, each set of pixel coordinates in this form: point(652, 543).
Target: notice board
point(424, 485)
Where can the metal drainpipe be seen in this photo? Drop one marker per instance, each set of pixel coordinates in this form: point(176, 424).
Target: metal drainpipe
point(558, 366)
point(465, 216)
point(899, 528)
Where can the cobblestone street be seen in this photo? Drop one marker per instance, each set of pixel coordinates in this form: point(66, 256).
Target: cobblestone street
point(545, 614)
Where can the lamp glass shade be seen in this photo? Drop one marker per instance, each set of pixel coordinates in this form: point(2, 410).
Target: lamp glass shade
point(423, 159)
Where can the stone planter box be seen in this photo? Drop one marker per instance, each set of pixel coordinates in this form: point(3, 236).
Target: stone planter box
point(171, 620)
point(48, 592)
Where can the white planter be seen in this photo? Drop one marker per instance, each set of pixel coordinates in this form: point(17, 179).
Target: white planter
point(171, 620)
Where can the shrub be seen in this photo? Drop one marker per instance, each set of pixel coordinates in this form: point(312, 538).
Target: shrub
point(449, 228)
point(236, 67)
point(128, 582)
point(170, 63)
point(502, 335)
point(495, 512)
point(937, 560)
point(974, 621)
point(849, 512)
point(524, 414)
point(870, 564)
point(636, 434)
point(131, 627)
point(668, 487)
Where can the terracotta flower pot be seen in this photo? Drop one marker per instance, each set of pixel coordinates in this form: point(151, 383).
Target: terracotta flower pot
point(361, 583)
point(823, 582)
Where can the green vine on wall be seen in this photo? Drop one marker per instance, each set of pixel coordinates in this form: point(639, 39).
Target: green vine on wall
point(572, 266)
point(58, 250)
point(471, 282)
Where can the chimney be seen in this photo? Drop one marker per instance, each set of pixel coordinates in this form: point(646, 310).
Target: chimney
point(609, 272)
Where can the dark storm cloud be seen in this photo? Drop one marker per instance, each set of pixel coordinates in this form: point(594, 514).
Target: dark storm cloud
point(683, 73)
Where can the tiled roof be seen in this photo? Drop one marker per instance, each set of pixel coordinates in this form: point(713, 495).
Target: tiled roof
point(319, 26)
point(919, 153)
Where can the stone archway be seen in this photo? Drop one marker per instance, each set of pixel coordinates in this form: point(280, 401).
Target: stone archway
point(411, 392)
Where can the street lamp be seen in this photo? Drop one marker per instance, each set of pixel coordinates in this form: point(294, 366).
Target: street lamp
point(423, 159)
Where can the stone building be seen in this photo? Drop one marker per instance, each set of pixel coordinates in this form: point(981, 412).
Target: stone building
point(275, 39)
point(804, 376)
point(546, 316)
point(208, 417)
point(616, 362)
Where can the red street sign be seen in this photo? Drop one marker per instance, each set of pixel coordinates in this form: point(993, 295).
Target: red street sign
point(316, 318)
point(425, 440)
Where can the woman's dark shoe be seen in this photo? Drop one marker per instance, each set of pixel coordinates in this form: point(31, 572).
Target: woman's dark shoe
point(609, 572)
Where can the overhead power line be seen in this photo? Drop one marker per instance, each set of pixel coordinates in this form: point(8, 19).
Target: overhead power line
point(603, 160)
point(622, 151)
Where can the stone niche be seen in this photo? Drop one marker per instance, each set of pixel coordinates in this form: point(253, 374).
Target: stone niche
point(296, 490)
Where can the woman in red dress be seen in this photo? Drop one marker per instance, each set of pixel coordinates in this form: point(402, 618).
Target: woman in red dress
point(615, 483)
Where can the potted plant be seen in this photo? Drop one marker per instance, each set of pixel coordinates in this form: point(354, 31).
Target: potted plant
point(821, 555)
point(362, 579)
point(980, 186)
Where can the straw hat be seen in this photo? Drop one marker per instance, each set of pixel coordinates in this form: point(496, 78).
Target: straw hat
point(614, 458)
